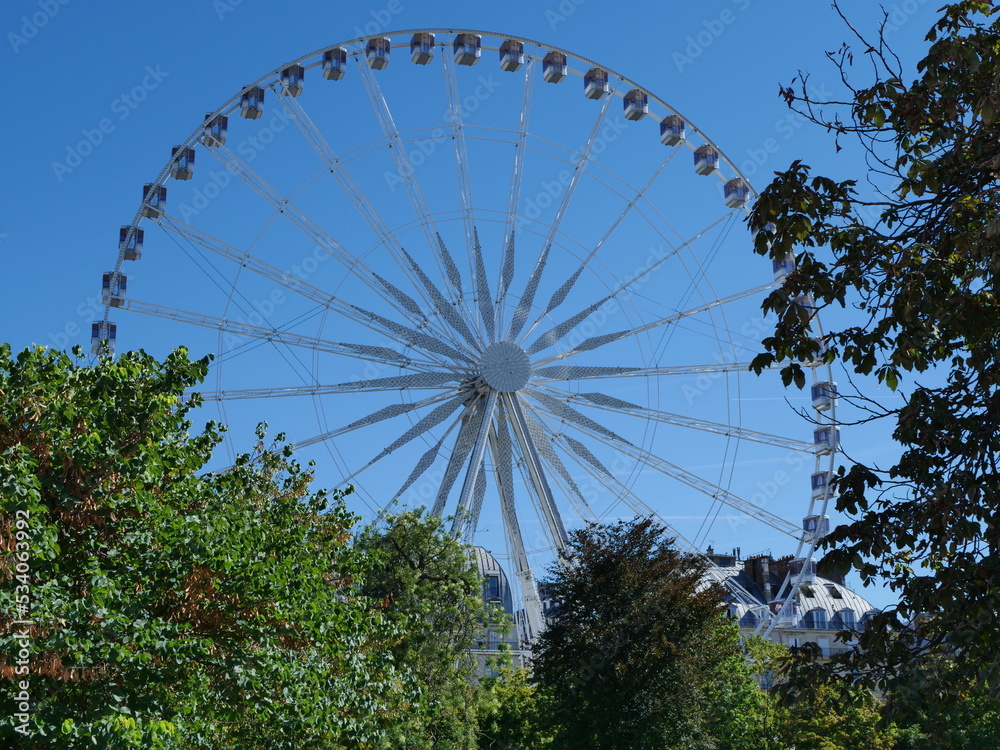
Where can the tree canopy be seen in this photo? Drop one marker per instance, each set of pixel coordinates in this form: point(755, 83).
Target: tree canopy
point(915, 253)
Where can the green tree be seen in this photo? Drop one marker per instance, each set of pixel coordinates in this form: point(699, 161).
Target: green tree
point(430, 588)
point(639, 646)
point(171, 608)
point(511, 713)
point(831, 719)
point(916, 255)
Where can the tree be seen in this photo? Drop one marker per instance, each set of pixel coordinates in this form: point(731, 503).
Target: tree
point(639, 645)
point(916, 255)
point(432, 592)
point(169, 607)
point(511, 714)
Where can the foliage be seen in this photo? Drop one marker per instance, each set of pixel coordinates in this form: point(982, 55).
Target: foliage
point(171, 608)
point(431, 589)
point(837, 720)
point(511, 713)
point(639, 646)
point(916, 254)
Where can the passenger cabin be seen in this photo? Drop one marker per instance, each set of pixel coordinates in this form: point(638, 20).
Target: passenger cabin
point(101, 331)
point(820, 485)
point(596, 84)
point(334, 63)
point(818, 526)
point(737, 193)
point(636, 104)
point(826, 440)
point(467, 48)
point(422, 48)
point(252, 103)
point(554, 67)
point(672, 130)
point(182, 166)
point(706, 160)
point(511, 55)
point(132, 247)
point(824, 396)
point(292, 79)
point(113, 287)
point(154, 198)
point(216, 128)
point(783, 267)
point(378, 53)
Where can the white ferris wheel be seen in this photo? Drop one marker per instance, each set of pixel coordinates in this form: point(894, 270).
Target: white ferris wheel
point(494, 278)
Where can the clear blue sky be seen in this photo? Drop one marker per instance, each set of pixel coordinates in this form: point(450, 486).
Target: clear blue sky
point(135, 78)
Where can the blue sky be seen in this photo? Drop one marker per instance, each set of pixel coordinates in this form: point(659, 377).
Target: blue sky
point(107, 89)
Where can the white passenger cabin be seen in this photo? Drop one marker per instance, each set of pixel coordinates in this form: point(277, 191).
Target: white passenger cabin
point(113, 288)
point(292, 79)
point(467, 48)
point(511, 55)
point(824, 396)
point(737, 193)
point(706, 160)
point(154, 198)
point(636, 104)
point(826, 440)
point(596, 84)
point(101, 331)
point(378, 53)
point(182, 166)
point(216, 128)
point(672, 130)
point(252, 103)
point(554, 67)
point(132, 248)
point(334, 63)
point(422, 48)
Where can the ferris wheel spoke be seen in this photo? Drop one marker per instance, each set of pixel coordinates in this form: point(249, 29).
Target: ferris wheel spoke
point(535, 470)
point(483, 295)
point(429, 456)
point(427, 423)
point(458, 142)
point(445, 309)
point(485, 420)
point(406, 173)
point(595, 342)
point(350, 188)
point(574, 372)
point(567, 413)
point(507, 264)
point(720, 494)
point(463, 446)
point(417, 381)
point(290, 282)
point(545, 448)
point(417, 338)
point(284, 205)
point(523, 308)
point(386, 412)
point(556, 334)
point(559, 296)
point(618, 406)
point(502, 454)
point(378, 354)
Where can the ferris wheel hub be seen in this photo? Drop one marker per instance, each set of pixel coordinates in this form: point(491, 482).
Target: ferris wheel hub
point(505, 367)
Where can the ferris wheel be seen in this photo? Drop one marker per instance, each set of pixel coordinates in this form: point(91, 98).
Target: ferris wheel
point(493, 278)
